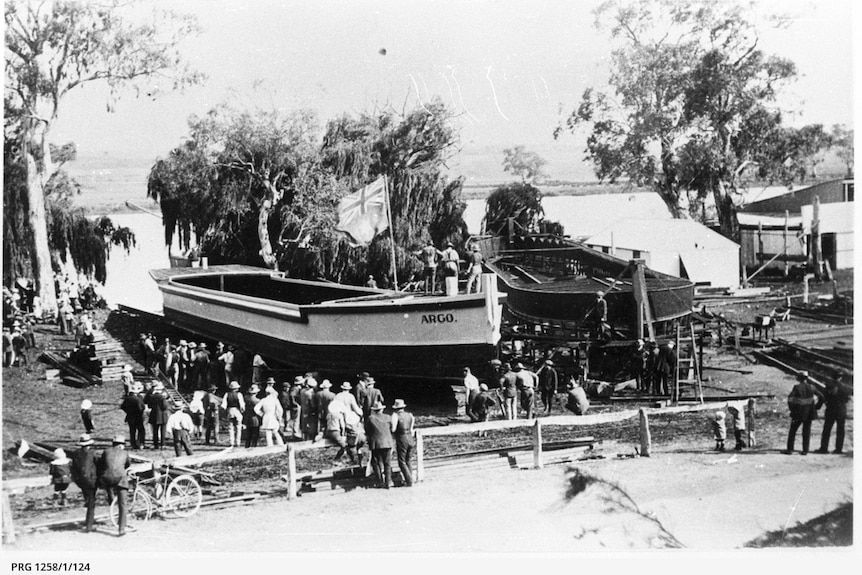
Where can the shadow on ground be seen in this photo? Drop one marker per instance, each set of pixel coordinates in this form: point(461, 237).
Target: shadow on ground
point(832, 529)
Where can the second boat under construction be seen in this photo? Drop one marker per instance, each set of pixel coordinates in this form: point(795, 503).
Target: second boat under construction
point(553, 280)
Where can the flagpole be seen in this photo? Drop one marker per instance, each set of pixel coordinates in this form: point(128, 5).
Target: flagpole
point(391, 230)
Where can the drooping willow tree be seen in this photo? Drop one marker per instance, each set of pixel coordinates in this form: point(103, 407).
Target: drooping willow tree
point(411, 150)
point(71, 233)
point(255, 185)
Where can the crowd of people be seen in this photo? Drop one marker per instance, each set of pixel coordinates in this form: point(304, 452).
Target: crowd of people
point(448, 262)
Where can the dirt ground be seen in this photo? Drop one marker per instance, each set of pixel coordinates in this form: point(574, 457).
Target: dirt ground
point(685, 495)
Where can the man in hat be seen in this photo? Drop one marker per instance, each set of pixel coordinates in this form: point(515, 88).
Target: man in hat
point(475, 260)
point(402, 432)
point(548, 381)
point(127, 378)
point(576, 397)
point(308, 412)
point(183, 361)
point(113, 465)
point(600, 315)
point(251, 420)
point(86, 476)
point(359, 390)
point(639, 359)
point(226, 359)
point(133, 406)
point(482, 403)
point(211, 402)
point(428, 255)
point(234, 404)
point(160, 409)
point(836, 398)
point(802, 401)
point(526, 383)
point(294, 418)
point(180, 425)
point(508, 391)
point(258, 369)
point(322, 398)
point(378, 429)
point(150, 358)
point(201, 363)
point(450, 259)
point(346, 403)
point(372, 395)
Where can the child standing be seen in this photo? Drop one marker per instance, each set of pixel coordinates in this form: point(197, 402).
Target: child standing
point(719, 430)
point(87, 415)
point(61, 477)
point(738, 425)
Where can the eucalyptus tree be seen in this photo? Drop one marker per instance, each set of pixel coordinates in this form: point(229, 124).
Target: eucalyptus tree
point(688, 83)
point(56, 46)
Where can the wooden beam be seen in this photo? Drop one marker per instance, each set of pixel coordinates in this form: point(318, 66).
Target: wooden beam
point(420, 456)
point(537, 444)
point(643, 429)
point(291, 472)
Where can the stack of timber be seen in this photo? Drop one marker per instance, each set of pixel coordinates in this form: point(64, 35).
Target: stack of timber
point(69, 371)
point(112, 356)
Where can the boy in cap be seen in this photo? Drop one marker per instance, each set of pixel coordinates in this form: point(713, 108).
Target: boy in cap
point(87, 416)
point(719, 430)
point(61, 476)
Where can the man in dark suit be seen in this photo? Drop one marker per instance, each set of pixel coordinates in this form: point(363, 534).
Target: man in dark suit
point(380, 442)
point(133, 406)
point(665, 365)
point(802, 402)
point(402, 432)
point(86, 476)
point(371, 396)
point(836, 398)
point(113, 465)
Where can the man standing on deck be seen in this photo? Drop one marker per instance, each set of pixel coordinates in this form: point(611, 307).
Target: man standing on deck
point(429, 255)
point(476, 260)
point(450, 260)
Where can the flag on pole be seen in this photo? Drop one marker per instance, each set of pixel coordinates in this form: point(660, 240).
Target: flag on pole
point(362, 214)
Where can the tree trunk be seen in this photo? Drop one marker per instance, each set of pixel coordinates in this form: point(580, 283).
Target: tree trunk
point(266, 251)
point(42, 270)
point(727, 220)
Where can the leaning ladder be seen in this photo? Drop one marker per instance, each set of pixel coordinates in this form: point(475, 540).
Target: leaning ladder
point(688, 370)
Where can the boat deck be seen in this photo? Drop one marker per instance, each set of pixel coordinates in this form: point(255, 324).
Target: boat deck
point(164, 275)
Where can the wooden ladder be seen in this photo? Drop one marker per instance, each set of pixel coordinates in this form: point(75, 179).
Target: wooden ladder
point(688, 370)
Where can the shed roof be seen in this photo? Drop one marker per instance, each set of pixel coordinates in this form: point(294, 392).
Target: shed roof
point(661, 236)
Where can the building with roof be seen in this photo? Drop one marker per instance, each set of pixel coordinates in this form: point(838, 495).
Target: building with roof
point(830, 192)
point(683, 248)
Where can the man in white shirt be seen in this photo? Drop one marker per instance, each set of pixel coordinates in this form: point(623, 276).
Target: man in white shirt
point(471, 387)
point(180, 425)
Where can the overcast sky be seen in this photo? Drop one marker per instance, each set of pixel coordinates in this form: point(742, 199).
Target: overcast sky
point(508, 67)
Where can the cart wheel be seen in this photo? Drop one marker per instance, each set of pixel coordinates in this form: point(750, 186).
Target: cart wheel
point(184, 496)
point(138, 509)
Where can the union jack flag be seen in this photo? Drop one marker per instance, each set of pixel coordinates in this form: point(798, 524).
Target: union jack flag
point(362, 214)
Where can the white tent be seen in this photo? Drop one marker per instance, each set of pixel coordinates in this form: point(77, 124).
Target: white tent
point(682, 248)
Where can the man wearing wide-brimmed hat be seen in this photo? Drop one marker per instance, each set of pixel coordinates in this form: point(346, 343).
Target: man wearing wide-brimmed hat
point(86, 477)
point(402, 431)
point(322, 398)
point(113, 464)
point(211, 403)
point(548, 382)
point(378, 428)
point(308, 411)
point(200, 366)
point(180, 425)
point(160, 409)
point(133, 406)
point(802, 401)
point(293, 408)
point(250, 419)
point(372, 395)
point(234, 404)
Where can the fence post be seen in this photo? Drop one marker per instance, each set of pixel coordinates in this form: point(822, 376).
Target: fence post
point(752, 414)
point(8, 524)
point(291, 472)
point(420, 456)
point(537, 445)
point(645, 438)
